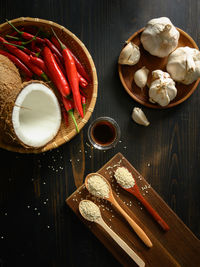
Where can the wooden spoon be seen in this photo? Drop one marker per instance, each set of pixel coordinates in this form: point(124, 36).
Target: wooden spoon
point(135, 191)
point(112, 200)
point(116, 238)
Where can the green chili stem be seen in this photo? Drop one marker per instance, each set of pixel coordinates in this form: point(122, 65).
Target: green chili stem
point(73, 118)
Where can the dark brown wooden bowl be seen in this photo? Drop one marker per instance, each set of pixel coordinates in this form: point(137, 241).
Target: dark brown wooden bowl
point(126, 73)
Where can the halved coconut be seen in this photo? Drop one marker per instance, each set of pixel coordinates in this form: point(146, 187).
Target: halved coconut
point(36, 116)
point(30, 113)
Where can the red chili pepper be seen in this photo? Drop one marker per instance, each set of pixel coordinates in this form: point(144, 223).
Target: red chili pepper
point(26, 35)
point(56, 43)
point(79, 66)
point(18, 63)
point(35, 48)
point(24, 58)
point(59, 64)
point(55, 72)
point(23, 48)
point(83, 83)
point(69, 107)
point(39, 62)
point(65, 115)
point(83, 93)
point(72, 76)
point(53, 49)
point(83, 100)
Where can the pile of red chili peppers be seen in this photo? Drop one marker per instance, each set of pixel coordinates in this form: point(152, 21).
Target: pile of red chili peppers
point(48, 59)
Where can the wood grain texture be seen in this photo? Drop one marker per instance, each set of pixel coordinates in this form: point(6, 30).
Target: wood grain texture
point(177, 247)
point(166, 153)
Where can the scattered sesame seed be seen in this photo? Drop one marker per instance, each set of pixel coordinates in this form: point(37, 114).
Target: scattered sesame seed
point(148, 164)
point(38, 214)
point(48, 226)
point(6, 213)
point(28, 207)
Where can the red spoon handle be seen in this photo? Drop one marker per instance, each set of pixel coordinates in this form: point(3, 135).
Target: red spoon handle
point(155, 215)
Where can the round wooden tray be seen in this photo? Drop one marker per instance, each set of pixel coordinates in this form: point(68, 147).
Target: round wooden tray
point(78, 48)
point(126, 73)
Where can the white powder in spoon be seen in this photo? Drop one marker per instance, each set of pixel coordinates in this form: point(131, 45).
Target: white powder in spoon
point(89, 210)
point(124, 177)
point(98, 187)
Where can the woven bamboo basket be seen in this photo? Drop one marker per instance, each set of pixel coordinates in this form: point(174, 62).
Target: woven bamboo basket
point(66, 133)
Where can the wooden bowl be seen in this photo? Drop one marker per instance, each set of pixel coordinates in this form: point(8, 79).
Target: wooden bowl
point(126, 73)
point(78, 48)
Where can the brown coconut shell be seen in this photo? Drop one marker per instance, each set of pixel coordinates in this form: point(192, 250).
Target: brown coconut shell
point(10, 86)
point(9, 90)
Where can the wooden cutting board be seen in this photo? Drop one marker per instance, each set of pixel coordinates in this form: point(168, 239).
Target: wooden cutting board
point(177, 247)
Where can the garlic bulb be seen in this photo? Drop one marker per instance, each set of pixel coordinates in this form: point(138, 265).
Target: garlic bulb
point(184, 65)
point(162, 90)
point(160, 37)
point(129, 55)
point(141, 76)
point(139, 117)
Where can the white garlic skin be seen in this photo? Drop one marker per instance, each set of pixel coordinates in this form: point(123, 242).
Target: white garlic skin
point(141, 76)
point(162, 90)
point(160, 37)
point(139, 117)
point(130, 55)
point(184, 65)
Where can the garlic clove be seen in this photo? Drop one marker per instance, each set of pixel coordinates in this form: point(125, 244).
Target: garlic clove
point(130, 55)
point(141, 76)
point(139, 117)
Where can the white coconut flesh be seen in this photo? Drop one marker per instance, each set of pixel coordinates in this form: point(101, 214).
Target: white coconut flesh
point(36, 116)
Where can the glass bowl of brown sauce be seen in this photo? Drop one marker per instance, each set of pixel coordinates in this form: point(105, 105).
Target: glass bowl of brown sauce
point(104, 133)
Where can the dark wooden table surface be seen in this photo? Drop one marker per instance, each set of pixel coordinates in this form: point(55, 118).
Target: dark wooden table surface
point(36, 226)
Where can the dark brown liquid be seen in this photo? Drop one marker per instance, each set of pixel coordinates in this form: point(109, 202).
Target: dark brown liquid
point(103, 133)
